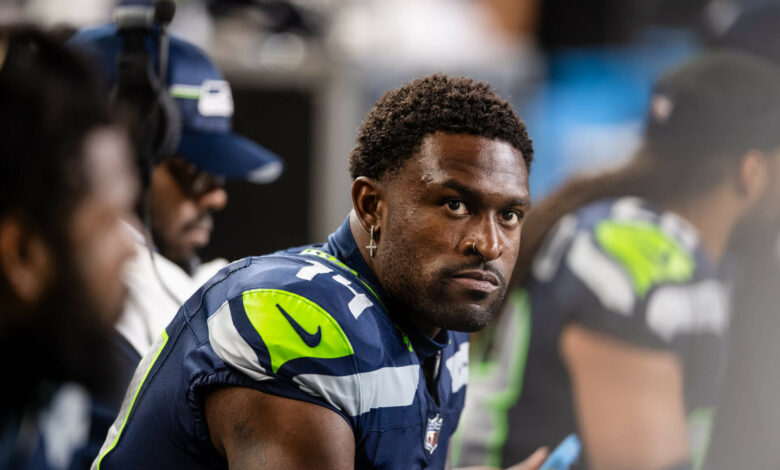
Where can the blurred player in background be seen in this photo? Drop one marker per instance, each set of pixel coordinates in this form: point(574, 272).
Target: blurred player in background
point(616, 327)
point(350, 354)
point(747, 424)
point(67, 184)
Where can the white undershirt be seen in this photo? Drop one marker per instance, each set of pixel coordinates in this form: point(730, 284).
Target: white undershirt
point(149, 307)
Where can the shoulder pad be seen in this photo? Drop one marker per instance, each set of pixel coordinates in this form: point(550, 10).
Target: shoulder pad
point(622, 249)
point(648, 255)
point(290, 306)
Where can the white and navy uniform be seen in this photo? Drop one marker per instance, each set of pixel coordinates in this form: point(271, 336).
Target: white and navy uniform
point(620, 267)
point(308, 324)
point(51, 432)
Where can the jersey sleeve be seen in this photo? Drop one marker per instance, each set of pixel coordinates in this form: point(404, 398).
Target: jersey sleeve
point(283, 337)
point(610, 275)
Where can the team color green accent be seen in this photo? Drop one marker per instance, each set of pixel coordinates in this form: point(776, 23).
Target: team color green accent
point(700, 431)
point(185, 92)
point(648, 254)
point(135, 396)
point(282, 341)
point(500, 401)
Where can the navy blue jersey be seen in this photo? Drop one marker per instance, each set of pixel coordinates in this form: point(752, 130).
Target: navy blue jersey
point(308, 324)
point(51, 432)
point(619, 267)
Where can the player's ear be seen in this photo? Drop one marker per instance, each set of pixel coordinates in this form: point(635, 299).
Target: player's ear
point(26, 261)
point(752, 175)
point(368, 202)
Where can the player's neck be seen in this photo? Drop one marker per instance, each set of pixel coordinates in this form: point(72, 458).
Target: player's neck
point(430, 331)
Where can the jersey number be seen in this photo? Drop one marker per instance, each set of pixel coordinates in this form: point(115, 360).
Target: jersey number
point(359, 301)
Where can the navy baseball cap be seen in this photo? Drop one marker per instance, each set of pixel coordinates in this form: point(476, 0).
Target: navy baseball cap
point(721, 102)
point(205, 104)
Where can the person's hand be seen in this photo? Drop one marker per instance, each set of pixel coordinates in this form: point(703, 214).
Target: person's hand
point(534, 462)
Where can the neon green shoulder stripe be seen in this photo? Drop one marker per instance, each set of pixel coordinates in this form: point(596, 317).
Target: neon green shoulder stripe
point(502, 401)
point(129, 408)
point(649, 255)
point(504, 380)
point(292, 326)
point(700, 422)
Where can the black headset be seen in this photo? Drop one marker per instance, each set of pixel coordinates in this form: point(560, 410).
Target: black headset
point(141, 100)
point(140, 96)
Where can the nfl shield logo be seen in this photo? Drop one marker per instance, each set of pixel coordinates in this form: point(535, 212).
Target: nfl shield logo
point(432, 433)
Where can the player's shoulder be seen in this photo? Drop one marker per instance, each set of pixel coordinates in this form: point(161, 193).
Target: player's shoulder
point(309, 273)
point(307, 320)
point(652, 247)
point(320, 278)
point(298, 305)
point(621, 249)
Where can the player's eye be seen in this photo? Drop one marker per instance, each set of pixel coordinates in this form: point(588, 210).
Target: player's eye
point(512, 216)
point(456, 207)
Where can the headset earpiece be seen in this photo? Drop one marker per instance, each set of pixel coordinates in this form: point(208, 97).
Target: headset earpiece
point(170, 132)
point(140, 96)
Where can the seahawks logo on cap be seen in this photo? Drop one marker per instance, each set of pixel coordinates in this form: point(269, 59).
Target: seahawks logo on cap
point(214, 97)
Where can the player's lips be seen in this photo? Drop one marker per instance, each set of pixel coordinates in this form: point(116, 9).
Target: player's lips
point(477, 279)
point(199, 231)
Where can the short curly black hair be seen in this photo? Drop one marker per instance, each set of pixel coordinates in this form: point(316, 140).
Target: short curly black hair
point(394, 129)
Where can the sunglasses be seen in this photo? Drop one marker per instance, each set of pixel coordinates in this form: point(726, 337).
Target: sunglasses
point(193, 181)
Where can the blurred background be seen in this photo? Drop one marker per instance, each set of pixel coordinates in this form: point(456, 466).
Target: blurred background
point(304, 73)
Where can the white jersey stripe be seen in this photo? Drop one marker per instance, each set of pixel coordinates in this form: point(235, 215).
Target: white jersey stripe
point(231, 347)
point(360, 393)
point(611, 285)
point(689, 309)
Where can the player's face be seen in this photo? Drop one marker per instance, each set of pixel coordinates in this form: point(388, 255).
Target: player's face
point(451, 230)
point(100, 243)
point(181, 209)
point(87, 294)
